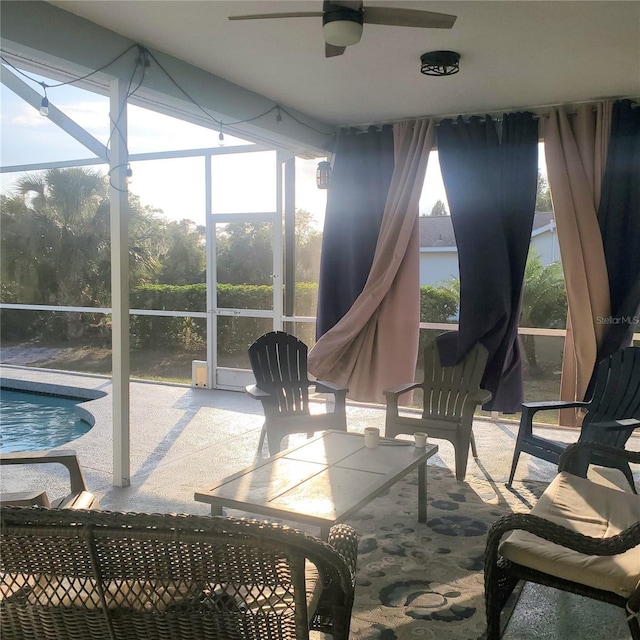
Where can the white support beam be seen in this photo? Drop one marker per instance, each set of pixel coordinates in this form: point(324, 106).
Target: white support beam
point(135, 157)
point(119, 283)
point(278, 246)
point(30, 95)
point(212, 278)
point(289, 216)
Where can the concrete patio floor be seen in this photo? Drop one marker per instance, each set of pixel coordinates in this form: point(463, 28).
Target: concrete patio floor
point(184, 438)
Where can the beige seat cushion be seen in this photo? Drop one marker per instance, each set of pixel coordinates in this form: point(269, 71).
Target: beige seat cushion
point(314, 587)
point(278, 598)
point(83, 593)
point(592, 510)
point(158, 595)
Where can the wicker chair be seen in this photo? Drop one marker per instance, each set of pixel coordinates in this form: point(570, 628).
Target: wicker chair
point(279, 364)
point(581, 537)
point(94, 575)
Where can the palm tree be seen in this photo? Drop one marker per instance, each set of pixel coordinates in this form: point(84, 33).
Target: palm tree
point(56, 239)
point(544, 302)
point(53, 233)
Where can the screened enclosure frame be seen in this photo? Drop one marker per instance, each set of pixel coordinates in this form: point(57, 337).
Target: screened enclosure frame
point(117, 159)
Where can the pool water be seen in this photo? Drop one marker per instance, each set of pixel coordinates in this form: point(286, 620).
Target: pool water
point(34, 421)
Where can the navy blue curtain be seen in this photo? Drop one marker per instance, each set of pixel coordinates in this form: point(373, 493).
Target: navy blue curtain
point(619, 219)
point(491, 187)
point(356, 199)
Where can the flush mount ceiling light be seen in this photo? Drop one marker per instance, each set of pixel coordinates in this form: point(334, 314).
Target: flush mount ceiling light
point(440, 63)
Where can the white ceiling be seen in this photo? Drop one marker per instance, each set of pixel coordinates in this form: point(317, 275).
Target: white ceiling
point(514, 54)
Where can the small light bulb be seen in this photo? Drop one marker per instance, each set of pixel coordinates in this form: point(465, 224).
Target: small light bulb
point(221, 139)
point(44, 107)
point(128, 175)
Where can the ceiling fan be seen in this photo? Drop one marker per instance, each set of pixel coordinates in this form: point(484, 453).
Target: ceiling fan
point(342, 21)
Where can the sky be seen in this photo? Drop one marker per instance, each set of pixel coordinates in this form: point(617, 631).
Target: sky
point(174, 186)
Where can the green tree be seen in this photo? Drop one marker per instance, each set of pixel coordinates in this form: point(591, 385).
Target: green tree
point(544, 302)
point(308, 247)
point(245, 254)
point(184, 259)
point(55, 240)
point(439, 209)
point(55, 237)
point(543, 195)
point(147, 240)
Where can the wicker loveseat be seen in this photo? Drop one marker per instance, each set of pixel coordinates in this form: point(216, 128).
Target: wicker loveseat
point(99, 575)
point(582, 536)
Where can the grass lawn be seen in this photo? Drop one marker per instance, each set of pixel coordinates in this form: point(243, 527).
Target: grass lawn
point(173, 364)
point(165, 364)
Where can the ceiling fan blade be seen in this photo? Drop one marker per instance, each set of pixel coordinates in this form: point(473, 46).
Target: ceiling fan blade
point(264, 16)
point(407, 18)
point(330, 51)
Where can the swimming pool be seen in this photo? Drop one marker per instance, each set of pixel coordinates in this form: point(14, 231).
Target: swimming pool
point(31, 421)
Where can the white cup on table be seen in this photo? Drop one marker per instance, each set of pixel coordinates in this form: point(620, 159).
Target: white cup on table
point(421, 439)
point(371, 437)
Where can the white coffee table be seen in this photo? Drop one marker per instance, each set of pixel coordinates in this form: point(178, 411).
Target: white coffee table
point(322, 481)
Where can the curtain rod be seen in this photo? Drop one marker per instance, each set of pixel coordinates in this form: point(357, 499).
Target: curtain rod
point(495, 112)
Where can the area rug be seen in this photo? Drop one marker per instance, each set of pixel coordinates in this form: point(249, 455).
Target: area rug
point(426, 580)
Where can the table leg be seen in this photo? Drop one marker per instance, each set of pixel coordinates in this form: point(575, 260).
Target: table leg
point(422, 492)
point(324, 532)
point(216, 510)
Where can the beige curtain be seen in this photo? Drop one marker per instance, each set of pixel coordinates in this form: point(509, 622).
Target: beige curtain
point(575, 151)
point(375, 345)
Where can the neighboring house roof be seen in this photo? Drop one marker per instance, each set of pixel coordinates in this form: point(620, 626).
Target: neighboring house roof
point(437, 231)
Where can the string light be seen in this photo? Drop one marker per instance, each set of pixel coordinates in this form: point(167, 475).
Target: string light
point(44, 105)
point(145, 56)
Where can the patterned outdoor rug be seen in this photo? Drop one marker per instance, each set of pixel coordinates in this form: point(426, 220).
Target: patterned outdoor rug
point(426, 581)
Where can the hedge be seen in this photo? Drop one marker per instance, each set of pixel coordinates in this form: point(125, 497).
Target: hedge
point(436, 305)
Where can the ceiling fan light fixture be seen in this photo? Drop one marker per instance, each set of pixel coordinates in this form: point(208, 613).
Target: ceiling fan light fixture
point(440, 63)
point(342, 33)
point(342, 21)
